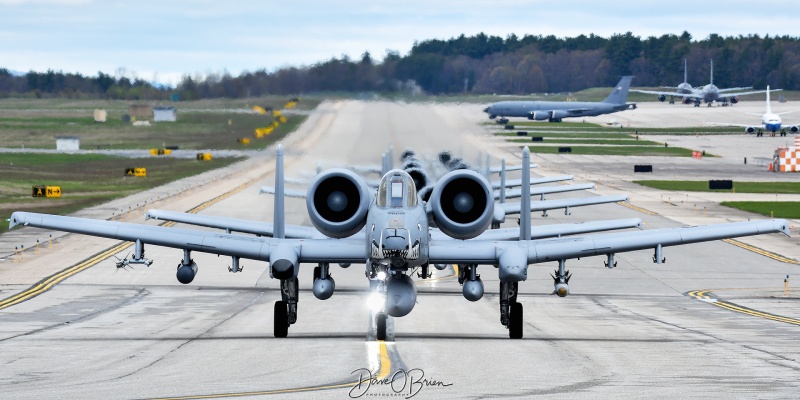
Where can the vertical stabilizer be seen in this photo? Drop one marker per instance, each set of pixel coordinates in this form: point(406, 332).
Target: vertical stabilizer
point(503, 180)
point(619, 95)
point(712, 72)
point(769, 109)
point(525, 198)
point(685, 78)
point(278, 222)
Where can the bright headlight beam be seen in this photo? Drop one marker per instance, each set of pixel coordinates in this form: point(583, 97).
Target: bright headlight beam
point(376, 301)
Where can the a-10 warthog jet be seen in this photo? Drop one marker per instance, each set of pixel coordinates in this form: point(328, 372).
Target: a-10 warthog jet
point(389, 230)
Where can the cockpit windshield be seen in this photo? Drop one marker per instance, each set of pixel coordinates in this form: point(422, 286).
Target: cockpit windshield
point(397, 190)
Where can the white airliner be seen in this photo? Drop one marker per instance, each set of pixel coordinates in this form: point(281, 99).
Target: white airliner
point(770, 122)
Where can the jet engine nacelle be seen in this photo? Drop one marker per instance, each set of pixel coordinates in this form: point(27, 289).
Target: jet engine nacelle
point(662, 98)
point(687, 100)
point(733, 99)
point(462, 204)
point(750, 129)
point(337, 202)
point(401, 295)
point(419, 177)
point(557, 115)
point(539, 115)
point(794, 129)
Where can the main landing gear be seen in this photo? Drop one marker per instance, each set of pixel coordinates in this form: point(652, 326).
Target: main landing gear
point(510, 309)
point(380, 325)
point(286, 308)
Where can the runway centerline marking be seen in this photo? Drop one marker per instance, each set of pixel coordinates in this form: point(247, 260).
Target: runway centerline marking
point(708, 296)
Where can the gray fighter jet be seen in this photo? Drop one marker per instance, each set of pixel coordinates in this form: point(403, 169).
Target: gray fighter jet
point(395, 240)
point(555, 111)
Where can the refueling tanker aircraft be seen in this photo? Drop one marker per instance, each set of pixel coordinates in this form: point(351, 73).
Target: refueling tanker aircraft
point(396, 240)
point(708, 93)
point(555, 111)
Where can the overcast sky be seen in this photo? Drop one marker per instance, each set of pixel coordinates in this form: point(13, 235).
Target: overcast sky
point(162, 40)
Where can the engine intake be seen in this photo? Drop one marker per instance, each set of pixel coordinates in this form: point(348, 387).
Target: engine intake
point(337, 202)
point(462, 204)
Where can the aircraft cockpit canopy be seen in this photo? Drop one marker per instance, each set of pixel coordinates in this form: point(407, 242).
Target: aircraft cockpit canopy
point(397, 190)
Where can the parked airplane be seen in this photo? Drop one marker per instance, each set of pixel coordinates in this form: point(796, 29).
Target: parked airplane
point(770, 122)
point(708, 93)
point(555, 111)
point(396, 241)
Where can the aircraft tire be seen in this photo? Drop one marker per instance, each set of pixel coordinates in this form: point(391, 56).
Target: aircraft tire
point(281, 322)
point(515, 321)
point(380, 326)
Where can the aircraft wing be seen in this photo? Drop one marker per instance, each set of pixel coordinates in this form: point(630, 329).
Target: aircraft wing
point(234, 225)
point(249, 247)
point(518, 182)
point(515, 208)
point(286, 192)
point(545, 250)
point(676, 94)
point(750, 92)
point(734, 88)
point(496, 170)
point(732, 124)
point(548, 231)
point(514, 193)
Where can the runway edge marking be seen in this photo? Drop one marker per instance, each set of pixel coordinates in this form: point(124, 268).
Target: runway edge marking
point(708, 296)
point(48, 282)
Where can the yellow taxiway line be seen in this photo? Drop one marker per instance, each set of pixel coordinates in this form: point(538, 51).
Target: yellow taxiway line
point(764, 253)
point(709, 297)
point(52, 280)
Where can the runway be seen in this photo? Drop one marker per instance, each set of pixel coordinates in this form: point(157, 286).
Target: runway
point(639, 330)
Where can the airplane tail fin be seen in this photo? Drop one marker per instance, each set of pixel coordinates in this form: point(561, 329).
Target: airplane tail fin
point(503, 180)
point(769, 109)
point(712, 72)
point(278, 224)
point(685, 78)
point(620, 93)
point(525, 199)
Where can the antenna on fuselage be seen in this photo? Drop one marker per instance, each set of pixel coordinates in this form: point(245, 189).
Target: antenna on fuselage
point(525, 200)
point(279, 231)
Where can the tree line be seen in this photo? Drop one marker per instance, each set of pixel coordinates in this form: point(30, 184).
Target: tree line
point(471, 64)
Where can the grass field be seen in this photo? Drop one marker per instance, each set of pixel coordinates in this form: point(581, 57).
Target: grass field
point(739, 187)
point(537, 127)
point(85, 180)
point(779, 209)
point(618, 150)
point(576, 141)
point(207, 124)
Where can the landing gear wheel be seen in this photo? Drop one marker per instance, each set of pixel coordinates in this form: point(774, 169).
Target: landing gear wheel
point(515, 321)
point(281, 321)
point(380, 326)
